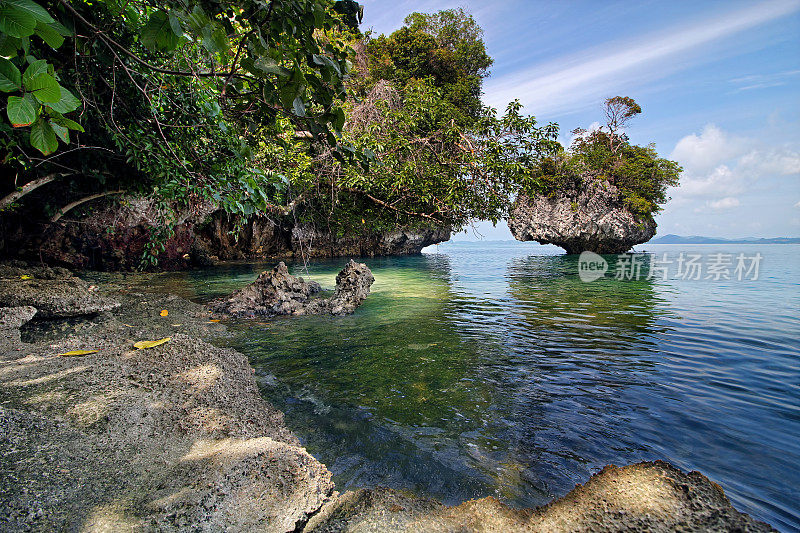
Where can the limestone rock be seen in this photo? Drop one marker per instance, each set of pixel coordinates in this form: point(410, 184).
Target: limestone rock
point(591, 219)
point(647, 496)
point(52, 291)
point(11, 319)
point(276, 292)
point(352, 288)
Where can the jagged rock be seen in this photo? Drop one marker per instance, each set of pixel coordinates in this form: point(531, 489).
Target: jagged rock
point(52, 291)
point(352, 288)
point(11, 319)
point(200, 254)
point(276, 292)
point(18, 269)
point(592, 219)
point(405, 241)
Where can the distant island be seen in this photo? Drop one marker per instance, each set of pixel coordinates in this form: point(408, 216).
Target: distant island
point(694, 239)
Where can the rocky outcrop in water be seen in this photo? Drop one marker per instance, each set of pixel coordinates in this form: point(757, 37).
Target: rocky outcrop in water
point(54, 292)
point(276, 292)
point(594, 218)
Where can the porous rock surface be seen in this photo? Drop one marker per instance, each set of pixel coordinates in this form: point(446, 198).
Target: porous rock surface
point(276, 292)
point(172, 438)
point(11, 319)
point(647, 496)
point(54, 292)
point(592, 218)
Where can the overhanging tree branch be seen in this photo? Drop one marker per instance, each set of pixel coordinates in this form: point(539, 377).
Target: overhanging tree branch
point(28, 187)
point(76, 203)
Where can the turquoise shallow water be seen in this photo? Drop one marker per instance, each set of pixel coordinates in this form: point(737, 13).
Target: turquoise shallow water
point(491, 369)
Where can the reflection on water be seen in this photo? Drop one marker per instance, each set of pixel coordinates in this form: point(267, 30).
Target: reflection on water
point(484, 370)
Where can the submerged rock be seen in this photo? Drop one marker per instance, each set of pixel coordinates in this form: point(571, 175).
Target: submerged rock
point(54, 292)
point(592, 219)
point(276, 292)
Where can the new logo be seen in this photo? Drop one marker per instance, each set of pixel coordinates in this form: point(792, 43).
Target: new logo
point(591, 266)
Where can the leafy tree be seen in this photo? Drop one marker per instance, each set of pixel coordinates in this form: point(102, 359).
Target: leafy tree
point(446, 48)
point(193, 100)
point(640, 175)
point(441, 157)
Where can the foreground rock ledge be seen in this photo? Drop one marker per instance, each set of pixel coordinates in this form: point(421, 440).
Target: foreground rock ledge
point(593, 219)
point(54, 292)
point(178, 438)
point(276, 292)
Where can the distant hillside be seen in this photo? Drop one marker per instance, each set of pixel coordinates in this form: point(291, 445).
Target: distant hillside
point(694, 239)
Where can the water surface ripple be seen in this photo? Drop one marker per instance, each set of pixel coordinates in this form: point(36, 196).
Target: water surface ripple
point(491, 369)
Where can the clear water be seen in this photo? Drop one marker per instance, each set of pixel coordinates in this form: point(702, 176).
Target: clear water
point(491, 369)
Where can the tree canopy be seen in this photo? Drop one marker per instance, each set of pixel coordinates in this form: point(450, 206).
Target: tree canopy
point(640, 175)
point(275, 108)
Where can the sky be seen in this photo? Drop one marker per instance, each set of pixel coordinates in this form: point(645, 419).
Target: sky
point(718, 82)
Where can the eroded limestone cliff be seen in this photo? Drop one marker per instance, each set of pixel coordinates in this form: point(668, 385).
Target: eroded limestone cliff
point(593, 218)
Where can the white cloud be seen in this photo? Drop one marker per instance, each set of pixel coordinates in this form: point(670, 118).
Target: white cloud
point(797, 205)
point(716, 164)
point(724, 203)
point(570, 83)
point(779, 161)
point(763, 81)
point(701, 153)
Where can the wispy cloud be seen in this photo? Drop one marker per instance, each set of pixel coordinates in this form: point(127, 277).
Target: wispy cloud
point(571, 83)
point(763, 81)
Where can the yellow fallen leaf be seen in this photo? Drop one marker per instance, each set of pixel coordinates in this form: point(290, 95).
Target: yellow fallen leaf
point(176, 325)
point(25, 276)
point(213, 320)
point(141, 345)
point(127, 325)
point(164, 312)
point(77, 353)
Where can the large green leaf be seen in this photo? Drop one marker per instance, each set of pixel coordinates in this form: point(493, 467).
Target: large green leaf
point(31, 8)
point(20, 111)
point(157, 34)
point(9, 45)
point(45, 88)
point(38, 66)
point(215, 39)
point(67, 102)
point(16, 22)
point(61, 131)
point(10, 77)
point(67, 123)
point(270, 66)
point(49, 35)
point(43, 138)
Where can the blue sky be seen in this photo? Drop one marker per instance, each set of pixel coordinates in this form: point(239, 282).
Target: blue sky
point(719, 83)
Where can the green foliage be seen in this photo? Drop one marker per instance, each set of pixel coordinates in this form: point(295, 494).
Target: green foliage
point(640, 175)
point(445, 48)
point(37, 99)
